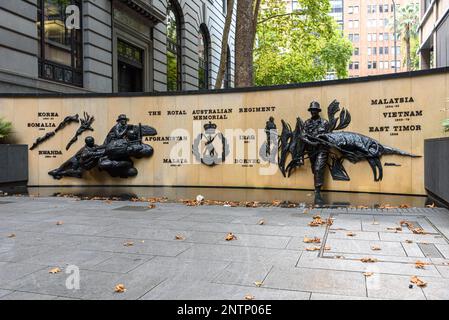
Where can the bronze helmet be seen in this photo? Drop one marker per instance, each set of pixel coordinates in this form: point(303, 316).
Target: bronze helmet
point(314, 106)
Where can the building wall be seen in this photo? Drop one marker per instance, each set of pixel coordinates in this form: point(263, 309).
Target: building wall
point(396, 110)
point(434, 33)
point(366, 24)
point(19, 45)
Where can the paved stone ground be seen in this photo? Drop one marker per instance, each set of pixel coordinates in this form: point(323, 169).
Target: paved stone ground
point(205, 266)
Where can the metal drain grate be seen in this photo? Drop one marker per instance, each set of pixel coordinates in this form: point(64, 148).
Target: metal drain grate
point(430, 250)
point(132, 208)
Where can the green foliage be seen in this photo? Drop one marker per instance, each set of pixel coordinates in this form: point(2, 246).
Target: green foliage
point(5, 128)
point(446, 125)
point(300, 46)
point(407, 21)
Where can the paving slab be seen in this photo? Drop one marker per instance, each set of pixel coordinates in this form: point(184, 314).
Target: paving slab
point(245, 274)
point(316, 280)
point(18, 295)
point(188, 290)
point(93, 285)
point(393, 287)
point(242, 254)
point(203, 265)
point(13, 271)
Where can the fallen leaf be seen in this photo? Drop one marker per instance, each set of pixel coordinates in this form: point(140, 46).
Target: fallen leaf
point(249, 297)
point(418, 231)
point(330, 222)
point(368, 274)
point(317, 221)
point(375, 223)
point(368, 260)
point(128, 244)
point(351, 234)
point(420, 264)
point(258, 283)
point(362, 207)
point(230, 237)
point(151, 206)
point(431, 205)
point(418, 281)
point(55, 270)
point(404, 206)
point(120, 288)
point(59, 223)
point(261, 222)
point(179, 237)
point(12, 235)
point(313, 249)
point(339, 257)
point(375, 248)
point(407, 224)
point(327, 248)
point(312, 240)
point(408, 241)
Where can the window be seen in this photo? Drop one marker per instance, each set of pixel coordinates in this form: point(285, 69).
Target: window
point(60, 50)
point(174, 81)
point(350, 10)
point(353, 23)
point(372, 65)
point(356, 9)
point(372, 37)
point(203, 57)
point(398, 50)
point(354, 65)
point(372, 8)
point(397, 63)
point(356, 51)
point(354, 37)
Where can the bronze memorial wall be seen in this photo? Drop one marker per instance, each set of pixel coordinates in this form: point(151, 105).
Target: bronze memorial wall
point(399, 112)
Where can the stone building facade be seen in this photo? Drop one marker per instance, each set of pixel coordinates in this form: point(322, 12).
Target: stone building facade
point(434, 34)
point(114, 46)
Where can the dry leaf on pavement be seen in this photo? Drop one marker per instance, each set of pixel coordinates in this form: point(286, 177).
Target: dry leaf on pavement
point(368, 274)
point(120, 288)
point(368, 260)
point(230, 237)
point(375, 248)
point(312, 240)
point(317, 221)
point(431, 205)
point(179, 237)
point(351, 234)
point(128, 244)
point(327, 248)
point(59, 223)
point(313, 249)
point(261, 222)
point(408, 241)
point(12, 235)
point(418, 281)
point(418, 231)
point(249, 297)
point(420, 264)
point(258, 283)
point(151, 206)
point(54, 270)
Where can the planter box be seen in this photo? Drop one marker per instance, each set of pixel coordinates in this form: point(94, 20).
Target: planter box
point(436, 159)
point(13, 164)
